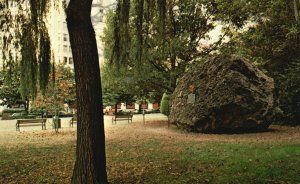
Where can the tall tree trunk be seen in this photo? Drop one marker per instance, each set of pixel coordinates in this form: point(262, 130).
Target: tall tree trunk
point(90, 164)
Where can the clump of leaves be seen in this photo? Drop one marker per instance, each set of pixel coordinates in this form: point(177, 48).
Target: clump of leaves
point(164, 106)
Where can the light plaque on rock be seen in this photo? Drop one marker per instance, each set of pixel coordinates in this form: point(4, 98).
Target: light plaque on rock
point(191, 99)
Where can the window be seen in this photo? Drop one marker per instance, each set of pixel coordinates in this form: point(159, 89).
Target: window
point(65, 37)
point(100, 18)
point(65, 48)
point(70, 61)
point(65, 60)
point(70, 50)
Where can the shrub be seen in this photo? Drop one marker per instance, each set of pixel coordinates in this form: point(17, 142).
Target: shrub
point(6, 114)
point(155, 111)
point(289, 94)
point(12, 110)
point(164, 104)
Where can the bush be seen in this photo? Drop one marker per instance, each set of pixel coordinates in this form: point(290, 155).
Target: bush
point(12, 110)
point(289, 94)
point(155, 111)
point(6, 114)
point(25, 117)
point(164, 104)
point(66, 115)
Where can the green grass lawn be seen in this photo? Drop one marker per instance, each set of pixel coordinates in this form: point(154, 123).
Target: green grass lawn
point(159, 159)
point(155, 162)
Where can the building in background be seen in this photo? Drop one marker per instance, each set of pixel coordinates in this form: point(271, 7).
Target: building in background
point(59, 33)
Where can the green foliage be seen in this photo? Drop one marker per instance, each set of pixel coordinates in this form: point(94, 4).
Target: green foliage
point(271, 40)
point(28, 64)
point(164, 104)
point(7, 113)
point(164, 38)
point(116, 86)
point(290, 93)
point(120, 85)
point(13, 110)
point(9, 87)
point(44, 59)
point(26, 43)
point(57, 93)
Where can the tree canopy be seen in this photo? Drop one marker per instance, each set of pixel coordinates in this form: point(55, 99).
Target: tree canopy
point(59, 92)
point(158, 42)
point(272, 41)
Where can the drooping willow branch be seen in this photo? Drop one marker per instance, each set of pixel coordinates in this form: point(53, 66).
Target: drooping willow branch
point(144, 11)
point(26, 33)
point(121, 33)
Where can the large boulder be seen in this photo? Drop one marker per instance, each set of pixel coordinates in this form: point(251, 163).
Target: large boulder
point(224, 94)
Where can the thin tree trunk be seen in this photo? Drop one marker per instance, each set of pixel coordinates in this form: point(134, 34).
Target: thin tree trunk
point(173, 75)
point(296, 11)
point(90, 164)
point(140, 108)
point(116, 108)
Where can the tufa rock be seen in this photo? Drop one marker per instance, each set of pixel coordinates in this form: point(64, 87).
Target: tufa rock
point(224, 94)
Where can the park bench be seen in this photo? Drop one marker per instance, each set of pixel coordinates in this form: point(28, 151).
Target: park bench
point(31, 122)
point(72, 121)
point(122, 117)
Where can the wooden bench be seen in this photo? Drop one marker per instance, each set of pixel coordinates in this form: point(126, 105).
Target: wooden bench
point(122, 117)
point(31, 122)
point(72, 121)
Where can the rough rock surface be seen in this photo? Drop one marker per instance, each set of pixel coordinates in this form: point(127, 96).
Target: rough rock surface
point(224, 94)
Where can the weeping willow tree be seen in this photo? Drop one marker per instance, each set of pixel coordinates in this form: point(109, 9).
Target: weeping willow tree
point(25, 35)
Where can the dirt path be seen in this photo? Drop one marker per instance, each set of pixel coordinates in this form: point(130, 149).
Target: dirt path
point(152, 129)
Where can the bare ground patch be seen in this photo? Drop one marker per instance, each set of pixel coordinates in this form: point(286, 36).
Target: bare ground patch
point(150, 130)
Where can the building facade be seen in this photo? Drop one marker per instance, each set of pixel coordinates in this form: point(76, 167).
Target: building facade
point(59, 33)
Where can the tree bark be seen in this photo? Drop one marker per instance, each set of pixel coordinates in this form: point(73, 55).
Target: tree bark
point(90, 164)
